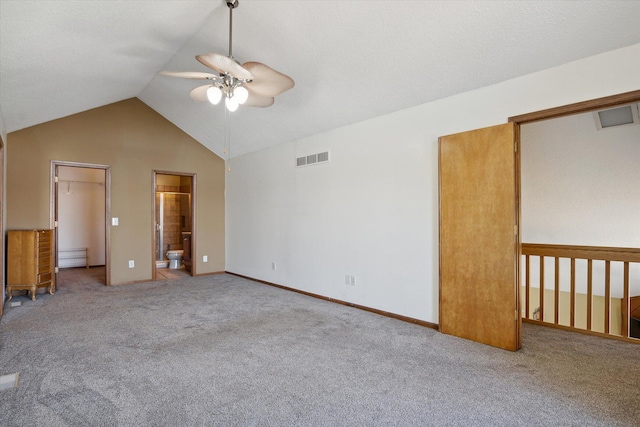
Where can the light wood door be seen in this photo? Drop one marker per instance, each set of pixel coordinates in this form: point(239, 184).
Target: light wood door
point(479, 244)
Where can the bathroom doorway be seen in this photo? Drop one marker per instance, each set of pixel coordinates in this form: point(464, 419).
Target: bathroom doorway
point(173, 219)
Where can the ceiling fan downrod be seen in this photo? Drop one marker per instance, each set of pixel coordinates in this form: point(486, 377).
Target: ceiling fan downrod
point(231, 5)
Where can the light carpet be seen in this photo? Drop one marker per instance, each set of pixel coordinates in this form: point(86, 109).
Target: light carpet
point(225, 351)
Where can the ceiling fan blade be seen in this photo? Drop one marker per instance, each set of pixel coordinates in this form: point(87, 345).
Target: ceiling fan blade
point(267, 81)
point(225, 65)
point(200, 93)
point(189, 75)
point(255, 100)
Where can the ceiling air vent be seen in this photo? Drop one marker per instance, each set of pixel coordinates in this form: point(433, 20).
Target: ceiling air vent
point(312, 159)
point(618, 116)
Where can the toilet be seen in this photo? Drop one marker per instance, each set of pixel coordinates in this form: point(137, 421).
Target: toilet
point(175, 259)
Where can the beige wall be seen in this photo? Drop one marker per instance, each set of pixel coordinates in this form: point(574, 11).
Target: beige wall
point(134, 140)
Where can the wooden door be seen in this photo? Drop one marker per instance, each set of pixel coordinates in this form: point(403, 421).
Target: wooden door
point(2, 238)
point(479, 243)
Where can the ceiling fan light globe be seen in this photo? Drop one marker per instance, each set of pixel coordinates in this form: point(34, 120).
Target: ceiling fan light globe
point(231, 103)
point(241, 94)
point(214, 95)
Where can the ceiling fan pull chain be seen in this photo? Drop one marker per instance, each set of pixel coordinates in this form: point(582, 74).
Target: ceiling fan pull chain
point(229, 146)
point(226, 131)
point(227, 138)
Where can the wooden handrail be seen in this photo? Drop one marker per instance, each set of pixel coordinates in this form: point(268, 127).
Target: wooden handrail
point(604, 253)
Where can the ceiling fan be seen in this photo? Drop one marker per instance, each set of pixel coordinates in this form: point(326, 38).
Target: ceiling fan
point(252, 83)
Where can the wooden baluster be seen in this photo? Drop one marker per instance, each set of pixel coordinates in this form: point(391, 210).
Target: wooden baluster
point(556, 292)
point(527, 286)
point(625, 302)
point(600, 254)
point(573, 293)
point(607, 296)
point(589, 292)
point(541, 314)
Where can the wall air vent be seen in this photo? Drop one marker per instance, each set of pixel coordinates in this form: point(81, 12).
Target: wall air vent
point(312, 159)
point(323, 157)
point(618, 116)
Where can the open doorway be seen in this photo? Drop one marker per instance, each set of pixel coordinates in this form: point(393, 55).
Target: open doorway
point(456, 154)
point(173, 219)
point(581, 253)
point(80, 212)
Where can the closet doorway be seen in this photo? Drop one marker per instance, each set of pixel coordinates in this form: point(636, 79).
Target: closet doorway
point(80, 195)
point(173, 224)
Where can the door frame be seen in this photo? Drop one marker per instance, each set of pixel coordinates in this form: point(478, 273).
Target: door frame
point(577, 108)
point(555, 112)
point(53, 215)
point(154, 174)
point(591, 105)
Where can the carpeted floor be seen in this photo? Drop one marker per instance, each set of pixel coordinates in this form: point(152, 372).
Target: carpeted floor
point(224, 351)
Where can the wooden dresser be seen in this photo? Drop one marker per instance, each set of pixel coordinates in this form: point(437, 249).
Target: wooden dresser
point(30, 261)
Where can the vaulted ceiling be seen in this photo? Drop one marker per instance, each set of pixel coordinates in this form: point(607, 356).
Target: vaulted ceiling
point(351, 60)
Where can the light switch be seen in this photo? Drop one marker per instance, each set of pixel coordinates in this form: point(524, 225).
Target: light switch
point(114, 221)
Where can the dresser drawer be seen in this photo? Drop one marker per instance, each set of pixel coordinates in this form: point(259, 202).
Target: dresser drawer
point(44, 235)
point(44, 278)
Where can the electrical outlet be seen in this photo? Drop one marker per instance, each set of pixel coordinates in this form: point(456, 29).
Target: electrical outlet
point(353, 280)
point(131, 263)
point(273, 266)
point(114, 221)
point(347, 280)
point(205, 258)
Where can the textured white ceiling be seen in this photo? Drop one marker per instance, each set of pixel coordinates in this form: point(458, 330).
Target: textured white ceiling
point(351, 60)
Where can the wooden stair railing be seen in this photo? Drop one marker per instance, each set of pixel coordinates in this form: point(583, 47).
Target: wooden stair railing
point(630, 305)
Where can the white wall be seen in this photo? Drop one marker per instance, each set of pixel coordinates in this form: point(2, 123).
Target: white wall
point(372, 211)
point(580, 187)
point(81, 212)
point(580, 184)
